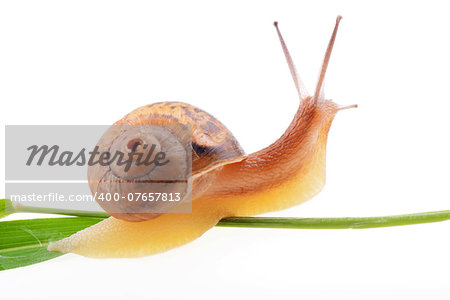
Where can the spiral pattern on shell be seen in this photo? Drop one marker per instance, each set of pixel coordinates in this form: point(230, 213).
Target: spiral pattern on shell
point(164, 145)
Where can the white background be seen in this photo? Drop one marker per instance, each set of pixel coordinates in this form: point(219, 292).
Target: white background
point(91, 62)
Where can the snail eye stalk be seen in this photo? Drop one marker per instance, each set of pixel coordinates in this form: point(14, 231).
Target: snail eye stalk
point(301, 89)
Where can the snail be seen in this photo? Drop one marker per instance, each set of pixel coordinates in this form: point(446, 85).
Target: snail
point(225, 181)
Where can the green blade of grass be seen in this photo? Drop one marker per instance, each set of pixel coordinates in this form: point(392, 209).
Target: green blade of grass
point(293, 223)
point(24, 242)
point(336, 223)
point(6, 208)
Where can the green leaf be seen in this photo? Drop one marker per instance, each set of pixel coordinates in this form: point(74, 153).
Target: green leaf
point(6, 208)
point(337, 223)
point(24, 242)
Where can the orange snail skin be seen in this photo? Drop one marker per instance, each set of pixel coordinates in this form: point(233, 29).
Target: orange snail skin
point(286, 173)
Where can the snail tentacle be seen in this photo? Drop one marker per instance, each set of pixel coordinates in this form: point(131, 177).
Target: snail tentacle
point(301, 88)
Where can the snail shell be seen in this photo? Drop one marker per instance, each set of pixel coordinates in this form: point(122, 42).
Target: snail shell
point(190, 141)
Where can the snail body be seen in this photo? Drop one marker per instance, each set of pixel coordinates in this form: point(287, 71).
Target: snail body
point(225, 181)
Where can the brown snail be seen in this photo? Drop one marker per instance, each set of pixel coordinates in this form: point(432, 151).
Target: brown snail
point(225, 181)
